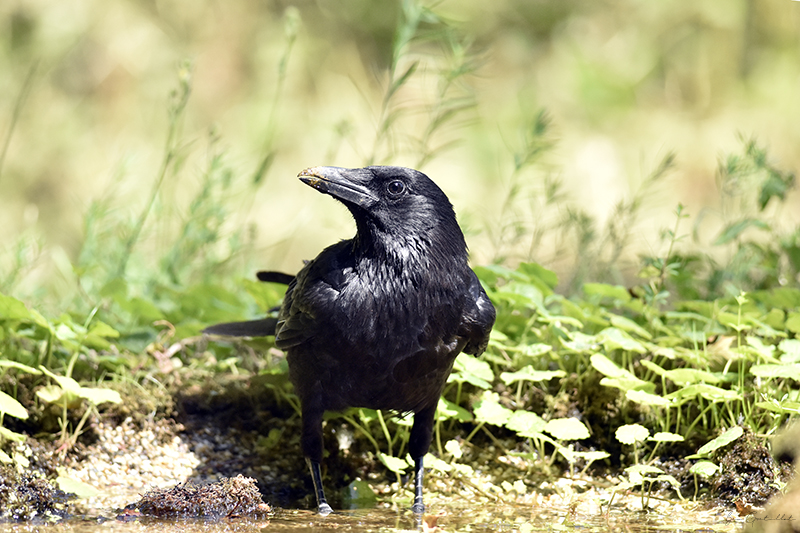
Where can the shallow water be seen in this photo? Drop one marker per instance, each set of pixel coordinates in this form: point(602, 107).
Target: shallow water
point(465, 517)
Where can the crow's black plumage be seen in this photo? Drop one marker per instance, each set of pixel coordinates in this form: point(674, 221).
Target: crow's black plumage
point(377, 321)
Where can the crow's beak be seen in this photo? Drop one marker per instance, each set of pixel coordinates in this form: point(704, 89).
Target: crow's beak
point(346, 184)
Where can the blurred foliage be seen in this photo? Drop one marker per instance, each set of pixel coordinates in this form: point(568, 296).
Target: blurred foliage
point(129, 228)
point(454, 87)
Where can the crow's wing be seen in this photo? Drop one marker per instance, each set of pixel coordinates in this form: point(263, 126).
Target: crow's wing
point(477, 319)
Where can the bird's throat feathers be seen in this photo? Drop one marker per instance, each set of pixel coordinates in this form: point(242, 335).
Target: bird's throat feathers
point(436, 248)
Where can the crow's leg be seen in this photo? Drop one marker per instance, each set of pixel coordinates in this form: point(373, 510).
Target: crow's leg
point(322, 504)
point(418, 444)
point(311, 441)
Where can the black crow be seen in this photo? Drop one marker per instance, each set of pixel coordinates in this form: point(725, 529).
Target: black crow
point(376, 321)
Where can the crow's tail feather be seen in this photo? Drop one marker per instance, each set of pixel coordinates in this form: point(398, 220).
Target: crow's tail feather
point(275, 277)
point(249, 328)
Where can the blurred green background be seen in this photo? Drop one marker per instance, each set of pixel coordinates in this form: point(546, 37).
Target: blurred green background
point(455, 88)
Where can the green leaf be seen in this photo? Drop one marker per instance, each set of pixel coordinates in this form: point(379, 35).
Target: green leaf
point(715, 444)
point(709, 392)
point(734, 229)
point(687, 376)
point(19, 366)
point(526, 424)
point(777, 371)
point(630, 326)
point(639, 472)
point(489, 410)
point(54, 394)
point(580, 342)
point(447, 410)
point(6, 433)
point(75, 486)
point(359, 492)
point(394, 464)
point(67, 383)
point(528, 373)
point(11, 407)
point(101, 329)
point(100, 396)
point(13, 309)
point(646, 398)
point(614, 338)
point(607, 367)
point(567, 429)
point(546, 280)
point(791, 350)
point(454, 448)
point(434, 463)
point(779, 406)
point(616, 292)
point(793, 323)
point(704, 469)
point(631, 434)
point(470, 369)
point(663, 436)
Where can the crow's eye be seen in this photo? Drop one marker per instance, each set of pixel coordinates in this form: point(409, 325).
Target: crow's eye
point(396, 187)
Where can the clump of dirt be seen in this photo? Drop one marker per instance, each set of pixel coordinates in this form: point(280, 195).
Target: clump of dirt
point(28, 497)
point(228, 498)
point(748, 473)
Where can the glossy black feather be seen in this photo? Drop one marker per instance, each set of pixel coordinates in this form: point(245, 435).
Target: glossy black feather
point(378, 320)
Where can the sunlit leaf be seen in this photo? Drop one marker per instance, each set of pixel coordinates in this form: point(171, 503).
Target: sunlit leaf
point(67, 383)
point(790, 349)
point(100, 396)
point(6, 433)
point(567, 429)
point(617, 292)
point(779, 406)
point(793, 322)
point(528, 373)
point(723, 440)
point(790, 371)
point(12, 309)
point(642, 471)
point(631, 433)
point(434, 463)
point(686, 376)
point(663, 436)
point(704, 469)
point(19, 366)
point(12, 407)
point(709, 392)
point(470, 369)
point(77, 487)
point(394, 464)
point(646, 398)
point(581, 343)
point(630, 326)
point(526, 424)
point(447, 410)
point(489, 410)
point(101, 329)
point(454, 448)
point(607, 367)
point(614, 338)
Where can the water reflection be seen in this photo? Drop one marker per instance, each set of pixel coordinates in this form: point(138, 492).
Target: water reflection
point(465, 517)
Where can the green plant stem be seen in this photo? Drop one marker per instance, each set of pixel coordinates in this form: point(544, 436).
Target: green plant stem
point(180, 99)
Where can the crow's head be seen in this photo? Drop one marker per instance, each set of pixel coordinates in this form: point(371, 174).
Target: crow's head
point(390, 203)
